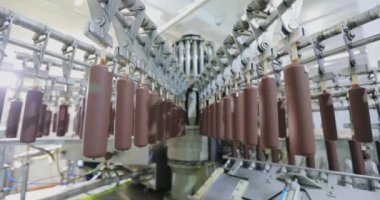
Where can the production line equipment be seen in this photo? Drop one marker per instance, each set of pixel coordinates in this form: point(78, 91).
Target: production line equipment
point(145, 102)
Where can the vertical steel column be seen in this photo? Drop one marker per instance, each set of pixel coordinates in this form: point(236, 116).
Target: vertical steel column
point(181, 56)
point(187, 57)
point(24, 180)
point(195, 57)
point(201, 57)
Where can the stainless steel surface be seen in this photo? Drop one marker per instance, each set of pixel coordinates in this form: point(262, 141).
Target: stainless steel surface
point(95, 184)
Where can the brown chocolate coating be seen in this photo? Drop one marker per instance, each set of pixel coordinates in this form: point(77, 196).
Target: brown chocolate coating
point(301, 127)
point(205, 115)
point(81, 121)
point(358, 164)
point(112, 120)
point(77, 121)
point(274, 155)
point(142, 117)
point(125, 92)
point(233, 149)
point(29, 125)
point(97, 112)
point(289, 151)
point(260, 150)
point(169, 119)
point(55, 121)
point(47, 123)
point(220, 126)
point(62, 120)
point(332, 156)
point(360, 114)
point(238, 117)
point(174, 121)
point(182, 121)
point(251, 115)
point(246, 151)
point(228, 109)
point(67, 122)
point(326, 107)
point(209, 120)
point(268, 113)
point(213, 120)
point(377, 144)
point(154, 117)
point(41, 120)
point(281, 104)
point(13, 118)
point(162, 121)
point(310, 162)
point(201, 121)
point(3, 92)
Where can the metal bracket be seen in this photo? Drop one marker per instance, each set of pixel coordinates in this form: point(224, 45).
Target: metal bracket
point(102, 12)
point(348, 37)
point(40, 41)
point(67, 64)
point(318, 50)
point(276, 67)
point(5, 32)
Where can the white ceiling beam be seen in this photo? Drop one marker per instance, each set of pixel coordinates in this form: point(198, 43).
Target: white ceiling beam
point(186, 11)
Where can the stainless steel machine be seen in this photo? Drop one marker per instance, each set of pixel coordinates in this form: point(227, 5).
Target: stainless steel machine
point(278, 110)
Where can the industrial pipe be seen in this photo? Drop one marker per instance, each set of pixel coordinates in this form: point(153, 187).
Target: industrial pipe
point(195, 57)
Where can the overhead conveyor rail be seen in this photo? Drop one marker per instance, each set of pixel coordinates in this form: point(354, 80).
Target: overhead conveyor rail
point(219, 67)
point(91, 54)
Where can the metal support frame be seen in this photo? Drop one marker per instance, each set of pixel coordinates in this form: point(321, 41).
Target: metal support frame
point(44, 33)
point(240, 29)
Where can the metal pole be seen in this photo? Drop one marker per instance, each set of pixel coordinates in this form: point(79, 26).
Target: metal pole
point(187, 57)
point(24, 181)
point(359, 43)
point(181, 56)
point(201, 57)
point(332, 31)
point(195, 57)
